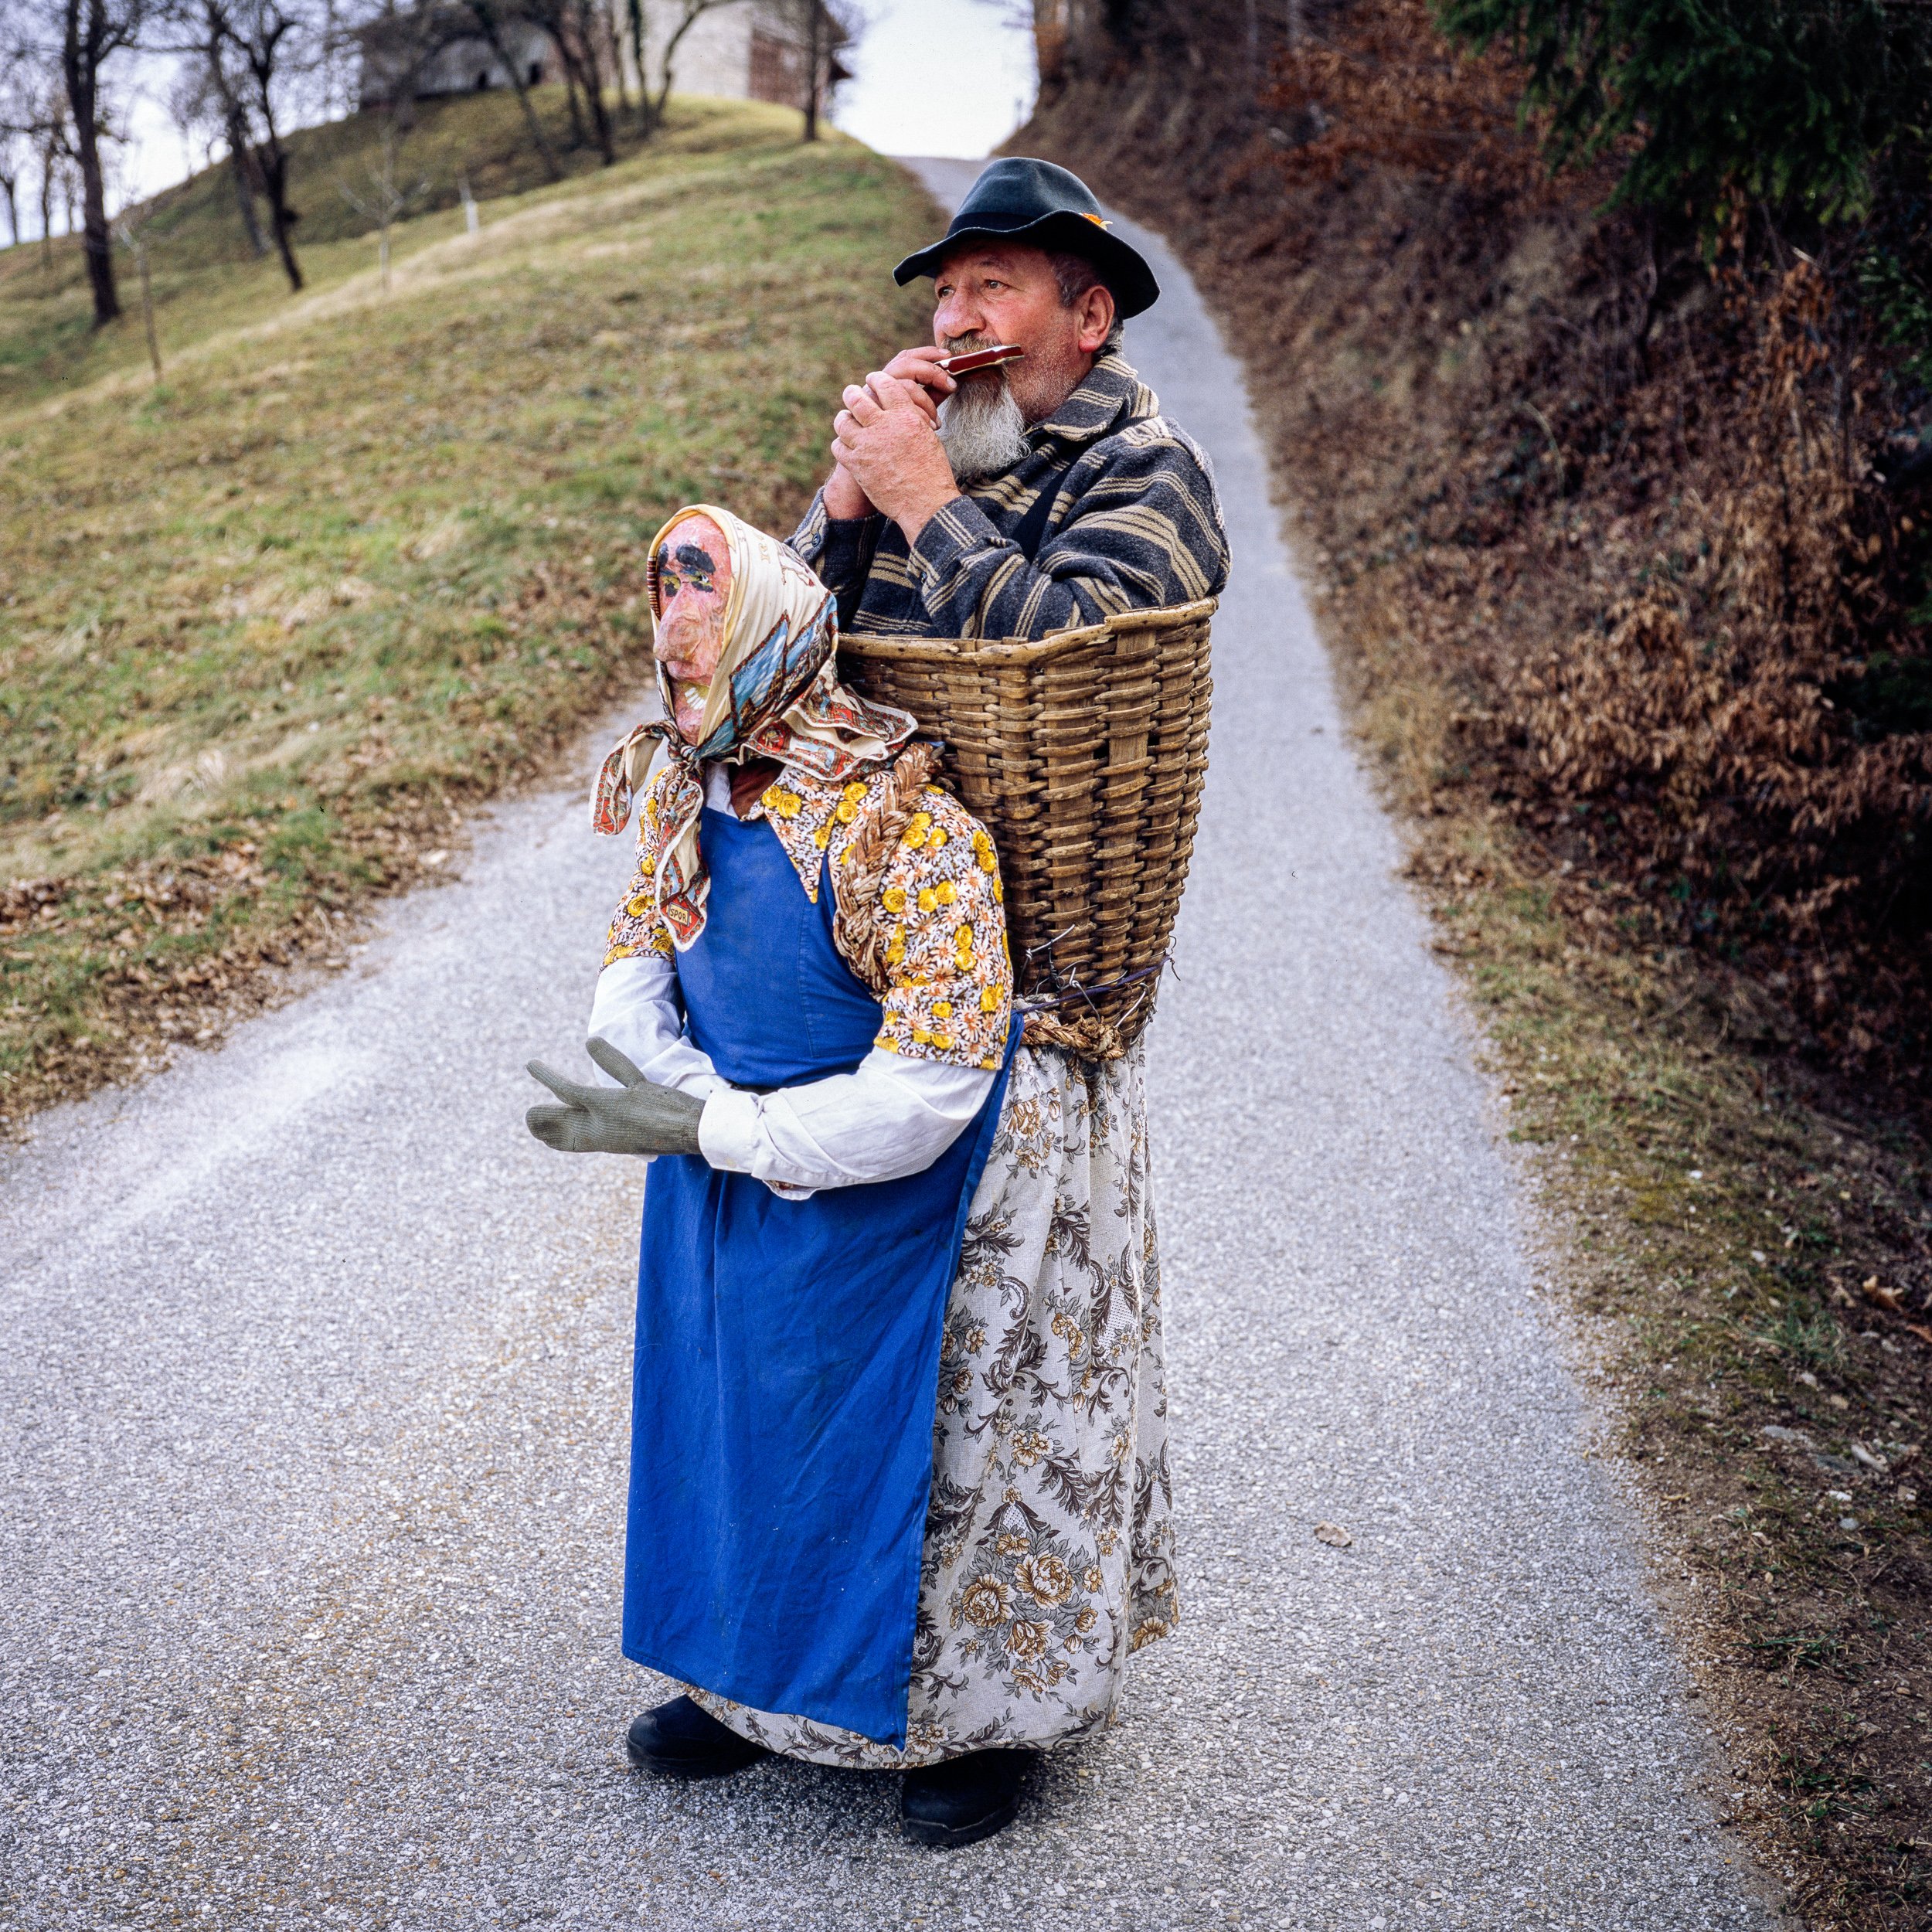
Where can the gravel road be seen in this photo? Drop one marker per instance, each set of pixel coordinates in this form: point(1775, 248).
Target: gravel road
point(312, 1422)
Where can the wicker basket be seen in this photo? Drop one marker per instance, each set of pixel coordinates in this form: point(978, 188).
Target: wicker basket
point(1084, 754)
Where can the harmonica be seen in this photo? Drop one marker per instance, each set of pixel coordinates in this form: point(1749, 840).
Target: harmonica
point(969, 359)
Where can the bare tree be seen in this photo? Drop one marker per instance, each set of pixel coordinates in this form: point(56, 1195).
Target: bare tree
point(633, 26)
point(12, 148)
point(53, 167)
point(73, 41)
point(17, 123)
point(258, 56)
point(692, 12)
point(131, 230)
point(489, 20)
point(822, 30)
point(381, 197)
point(33, 109)
point(580, 31)
point(608, 27)
point(206, 101)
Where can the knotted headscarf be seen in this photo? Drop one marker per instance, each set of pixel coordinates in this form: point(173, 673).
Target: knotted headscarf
point(775, 694)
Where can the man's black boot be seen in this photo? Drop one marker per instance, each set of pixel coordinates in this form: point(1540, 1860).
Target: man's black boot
point(962, 1800)
point(683, 1741)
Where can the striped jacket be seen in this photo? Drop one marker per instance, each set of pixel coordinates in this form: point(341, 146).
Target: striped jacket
point(1113, 508)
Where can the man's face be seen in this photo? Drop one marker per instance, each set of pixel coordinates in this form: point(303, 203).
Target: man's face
point(986, 292)
point(694, 582)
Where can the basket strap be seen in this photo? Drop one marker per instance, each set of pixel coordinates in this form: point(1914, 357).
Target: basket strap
point(857, 929)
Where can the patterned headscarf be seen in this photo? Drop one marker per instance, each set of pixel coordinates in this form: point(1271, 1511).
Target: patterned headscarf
point(775, 694)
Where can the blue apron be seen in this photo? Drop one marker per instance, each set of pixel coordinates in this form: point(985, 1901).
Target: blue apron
point(788, 1354)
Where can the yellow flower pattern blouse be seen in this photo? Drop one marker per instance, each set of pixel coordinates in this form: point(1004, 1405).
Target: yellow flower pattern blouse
point(950, 996)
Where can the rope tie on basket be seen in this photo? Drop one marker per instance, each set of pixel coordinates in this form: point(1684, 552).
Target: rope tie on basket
point(857, 929)
point(1092, 1036)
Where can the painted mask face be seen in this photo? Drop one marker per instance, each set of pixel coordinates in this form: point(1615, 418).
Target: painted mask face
point(694, 585)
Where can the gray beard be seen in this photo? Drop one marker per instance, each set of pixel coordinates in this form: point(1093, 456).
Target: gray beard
point(982, 431)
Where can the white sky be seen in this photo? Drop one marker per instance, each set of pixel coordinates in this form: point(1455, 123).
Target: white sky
point(930, 77)
point(938, 76)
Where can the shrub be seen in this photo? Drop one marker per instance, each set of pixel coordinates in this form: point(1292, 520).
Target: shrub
point(1792, 103)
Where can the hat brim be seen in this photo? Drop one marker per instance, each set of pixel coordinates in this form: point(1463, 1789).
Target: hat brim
point(1121, 266)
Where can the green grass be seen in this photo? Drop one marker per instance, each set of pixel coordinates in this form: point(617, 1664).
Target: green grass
point(359, 558)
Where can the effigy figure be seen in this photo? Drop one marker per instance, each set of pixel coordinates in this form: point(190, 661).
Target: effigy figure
point(899, 1492)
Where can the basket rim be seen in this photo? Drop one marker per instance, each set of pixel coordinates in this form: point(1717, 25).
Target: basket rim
point(859, 643)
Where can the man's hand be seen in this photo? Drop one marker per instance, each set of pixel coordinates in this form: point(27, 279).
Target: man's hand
point(919, 370)
point(637, 1118)
point(886, 441)
point(928, 385)
point(845, 503)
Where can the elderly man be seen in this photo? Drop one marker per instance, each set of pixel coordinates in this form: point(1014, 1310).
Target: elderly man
point(1047, 491)
point(899, 1495)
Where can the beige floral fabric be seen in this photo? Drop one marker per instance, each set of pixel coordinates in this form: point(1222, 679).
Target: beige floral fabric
point(1048, 1554)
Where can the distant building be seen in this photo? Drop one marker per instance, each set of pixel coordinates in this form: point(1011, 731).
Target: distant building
point(747, 50)
point(433, 51)
point(743, 50)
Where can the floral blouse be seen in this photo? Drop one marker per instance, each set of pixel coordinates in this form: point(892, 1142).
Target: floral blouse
point(950, 992)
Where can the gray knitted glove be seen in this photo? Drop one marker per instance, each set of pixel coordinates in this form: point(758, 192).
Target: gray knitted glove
point(638, 1117)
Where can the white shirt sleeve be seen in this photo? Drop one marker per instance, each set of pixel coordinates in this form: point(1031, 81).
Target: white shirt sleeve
point(635, 1008)
point(889, 1116)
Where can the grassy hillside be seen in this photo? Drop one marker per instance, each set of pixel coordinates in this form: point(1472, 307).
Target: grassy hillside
point(359, 559)
point(47, 340)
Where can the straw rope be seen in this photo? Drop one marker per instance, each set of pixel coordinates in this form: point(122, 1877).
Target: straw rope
point(857, 930)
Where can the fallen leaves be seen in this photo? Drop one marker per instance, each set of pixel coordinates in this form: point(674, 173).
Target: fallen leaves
point(1884, 1298)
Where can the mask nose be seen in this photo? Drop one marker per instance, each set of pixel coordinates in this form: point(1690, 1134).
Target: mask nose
point(675, 632)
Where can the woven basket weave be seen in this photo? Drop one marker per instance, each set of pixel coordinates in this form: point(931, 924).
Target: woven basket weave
point(1084, 754)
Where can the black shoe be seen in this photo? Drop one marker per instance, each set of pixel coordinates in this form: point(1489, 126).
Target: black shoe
point(682, 1741)
point(962, 1800)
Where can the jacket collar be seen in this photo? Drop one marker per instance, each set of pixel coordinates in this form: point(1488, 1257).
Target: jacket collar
point(1109, 395)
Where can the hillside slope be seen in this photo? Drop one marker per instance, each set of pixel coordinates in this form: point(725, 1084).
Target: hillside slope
point(359, 560)
point(206, 276)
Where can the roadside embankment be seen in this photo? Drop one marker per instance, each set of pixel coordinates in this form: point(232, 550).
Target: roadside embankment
point(1615, 542)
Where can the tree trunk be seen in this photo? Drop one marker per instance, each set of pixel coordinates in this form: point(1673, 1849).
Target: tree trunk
point(578, 137)
point(599, 109)
point(147, 308)
point(274, 164)
point(7, 186)
point(815, 19)
point(484, 16)
point(580, 24)
point(670, 58)
point(80, 69)
point(238, 166)
point(283, 219)
point(607, 20)
point(635, 15)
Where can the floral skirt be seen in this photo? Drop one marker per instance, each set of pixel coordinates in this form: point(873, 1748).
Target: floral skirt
point(1049, 1546)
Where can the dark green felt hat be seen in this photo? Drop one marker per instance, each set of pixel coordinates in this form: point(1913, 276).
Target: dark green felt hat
point(1018, 199)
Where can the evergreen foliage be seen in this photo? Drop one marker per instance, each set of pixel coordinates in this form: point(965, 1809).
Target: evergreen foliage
point(1793, 103)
